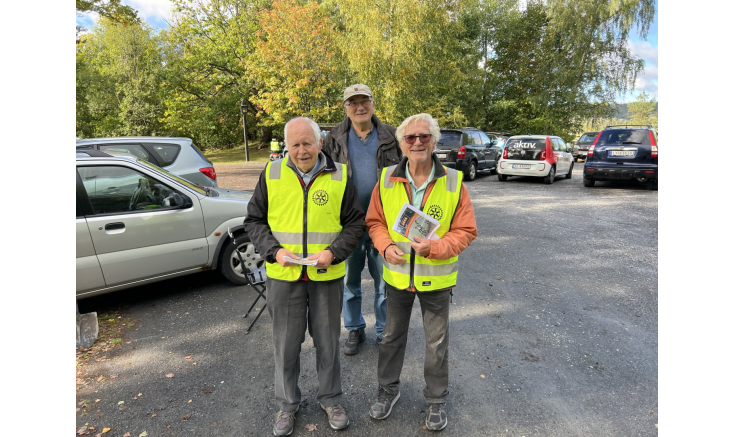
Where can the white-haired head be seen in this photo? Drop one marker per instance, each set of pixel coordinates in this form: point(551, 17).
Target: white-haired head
point(312, 123)
point(433, 126)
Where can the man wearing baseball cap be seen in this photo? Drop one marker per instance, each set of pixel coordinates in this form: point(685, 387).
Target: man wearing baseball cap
point(366, 146)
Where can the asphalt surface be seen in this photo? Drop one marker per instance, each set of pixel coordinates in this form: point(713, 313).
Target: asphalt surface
point(553, 330)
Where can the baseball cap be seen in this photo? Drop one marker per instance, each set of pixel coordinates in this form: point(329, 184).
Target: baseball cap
point(357, 89)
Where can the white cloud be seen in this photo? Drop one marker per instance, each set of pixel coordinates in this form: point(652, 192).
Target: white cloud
point(151, 9)
point(648, 80)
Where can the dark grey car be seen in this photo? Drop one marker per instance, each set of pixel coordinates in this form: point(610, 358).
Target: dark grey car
point(583, 144)
point(177, 155)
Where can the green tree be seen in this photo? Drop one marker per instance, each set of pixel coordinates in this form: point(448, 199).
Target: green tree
point(560, 62)
point(207, 53)
point(643, 110)
point(118, 69)
point(409, 52)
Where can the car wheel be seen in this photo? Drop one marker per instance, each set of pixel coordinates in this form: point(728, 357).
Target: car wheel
point(588, 182)
point(471, 173)
point(502, 177)
point(549, 179)
point(569, 174)
point(230, 265)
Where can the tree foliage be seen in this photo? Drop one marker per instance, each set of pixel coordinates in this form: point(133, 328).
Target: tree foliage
point(118, 75)
point(296, 67)
point(643, 110)
point(542, 66)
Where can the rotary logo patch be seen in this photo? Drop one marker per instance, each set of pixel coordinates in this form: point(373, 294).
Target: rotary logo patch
point(436, 212)
point(320, 197)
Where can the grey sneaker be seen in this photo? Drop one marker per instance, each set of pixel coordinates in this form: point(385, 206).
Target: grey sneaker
point(352, 344)
point(337, 416)
point(436, 417)
point(284, 422)
point(384, 405)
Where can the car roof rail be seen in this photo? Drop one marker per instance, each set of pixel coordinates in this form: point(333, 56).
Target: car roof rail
point(93, 152)
point(629, 125)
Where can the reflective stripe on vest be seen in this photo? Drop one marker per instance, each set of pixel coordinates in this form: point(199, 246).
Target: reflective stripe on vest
point(286, 206)
point(428, 274)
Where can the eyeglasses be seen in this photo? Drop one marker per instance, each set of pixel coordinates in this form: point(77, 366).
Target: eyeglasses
point(364, 104)
point(424, 138)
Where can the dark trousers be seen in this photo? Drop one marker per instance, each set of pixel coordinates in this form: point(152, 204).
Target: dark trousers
point(291, 305)
point(435, 315)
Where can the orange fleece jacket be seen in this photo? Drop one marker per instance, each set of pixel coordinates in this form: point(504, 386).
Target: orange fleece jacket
point(462, 231)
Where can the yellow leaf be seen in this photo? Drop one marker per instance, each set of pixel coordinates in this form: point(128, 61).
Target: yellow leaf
point(143, 434)
point(482, 376)
point(104, 430)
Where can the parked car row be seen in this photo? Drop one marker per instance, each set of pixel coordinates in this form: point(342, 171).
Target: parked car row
point(621, 152)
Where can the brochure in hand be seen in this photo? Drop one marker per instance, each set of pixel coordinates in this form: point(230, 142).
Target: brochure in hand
point(412, 222)
point(302, 261)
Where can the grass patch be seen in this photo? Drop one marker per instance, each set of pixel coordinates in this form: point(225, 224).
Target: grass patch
point(236, 155)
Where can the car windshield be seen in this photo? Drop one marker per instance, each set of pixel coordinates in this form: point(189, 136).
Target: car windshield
point(624, 136)
point(588, 137)
point(450, 140)
point(199, 189)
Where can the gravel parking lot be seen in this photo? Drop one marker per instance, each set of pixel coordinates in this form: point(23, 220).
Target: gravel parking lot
point(553, 327)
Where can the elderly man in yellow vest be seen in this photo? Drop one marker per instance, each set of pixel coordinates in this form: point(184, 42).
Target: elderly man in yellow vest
point(422, 268)
point(304, 208)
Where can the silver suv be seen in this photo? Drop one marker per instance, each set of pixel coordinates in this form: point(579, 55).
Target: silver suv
point(137, 224)
point(177, 155)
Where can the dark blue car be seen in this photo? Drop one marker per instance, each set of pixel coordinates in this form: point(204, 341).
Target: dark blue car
point(623, 152)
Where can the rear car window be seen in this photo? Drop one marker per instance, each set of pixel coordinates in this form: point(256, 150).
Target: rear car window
point(168, 152)
point(525, 148)
point(625, 136)
point(588, 137)
point(133, 149)
point(450, 139)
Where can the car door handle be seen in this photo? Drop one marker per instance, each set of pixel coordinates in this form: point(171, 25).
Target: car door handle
point(113, 226)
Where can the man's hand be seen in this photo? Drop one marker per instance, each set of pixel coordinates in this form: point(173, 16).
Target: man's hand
point(422, 246)
point(325, 258)
point(394, 255)
point(283, 253)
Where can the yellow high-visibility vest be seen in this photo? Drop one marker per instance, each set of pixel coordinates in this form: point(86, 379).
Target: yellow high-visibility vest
point(424, 274)
point(304, 220)
point(275, 147)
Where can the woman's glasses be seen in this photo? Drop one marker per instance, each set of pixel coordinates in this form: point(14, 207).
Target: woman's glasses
point(410, 139)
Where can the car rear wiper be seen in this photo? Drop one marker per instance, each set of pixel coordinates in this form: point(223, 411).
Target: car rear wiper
point(631, 142)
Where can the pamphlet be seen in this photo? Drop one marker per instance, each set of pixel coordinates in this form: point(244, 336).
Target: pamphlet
point(302, 261)
point(412, 222)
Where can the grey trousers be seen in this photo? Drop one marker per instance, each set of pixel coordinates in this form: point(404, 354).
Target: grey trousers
point(435, 314)
point(291, 305)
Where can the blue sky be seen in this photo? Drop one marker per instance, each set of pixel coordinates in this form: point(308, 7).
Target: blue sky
point(157, 12)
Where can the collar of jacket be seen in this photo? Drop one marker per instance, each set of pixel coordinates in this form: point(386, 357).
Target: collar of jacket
point(343, 129)
point(325, 164)
point(399, 174)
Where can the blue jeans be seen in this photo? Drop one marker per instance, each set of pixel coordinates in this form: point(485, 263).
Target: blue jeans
point(352, 303)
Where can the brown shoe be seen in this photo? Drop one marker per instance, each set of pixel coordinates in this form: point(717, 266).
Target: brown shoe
point(284, 422)
point(337, 416)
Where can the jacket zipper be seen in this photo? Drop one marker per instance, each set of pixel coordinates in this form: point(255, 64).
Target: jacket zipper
point(413, 252)
point(306, 202)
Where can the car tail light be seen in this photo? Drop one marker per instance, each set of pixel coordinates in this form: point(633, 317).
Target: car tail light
point(543, 155)
point(505, 153)
point(461, 153)
point(591, 150)
point(209, 172)
point(654, 146)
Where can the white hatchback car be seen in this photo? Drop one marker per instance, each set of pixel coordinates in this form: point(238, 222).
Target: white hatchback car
point(137, 224)
point(544, 156)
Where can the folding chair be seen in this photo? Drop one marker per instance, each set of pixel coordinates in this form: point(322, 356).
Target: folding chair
point(256, 281)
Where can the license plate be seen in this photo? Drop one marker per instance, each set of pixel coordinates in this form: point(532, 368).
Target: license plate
point(621, 152)
point(520, 166)
point(441, 155)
